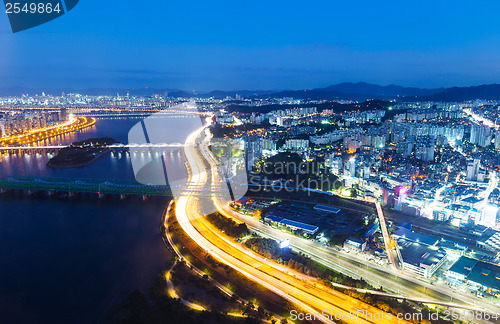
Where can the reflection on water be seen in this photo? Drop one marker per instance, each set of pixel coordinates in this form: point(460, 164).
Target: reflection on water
point(114, 165)
point(73, 261)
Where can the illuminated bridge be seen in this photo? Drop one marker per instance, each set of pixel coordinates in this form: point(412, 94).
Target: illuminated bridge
point(98, 113)
point(112, 146)
point(101, 187)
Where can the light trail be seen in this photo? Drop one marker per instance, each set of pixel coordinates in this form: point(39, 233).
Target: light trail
point(185, 222)
point(480, 119)
point(323, 255)
point(492, 185)
point(311, 297)
point(327, 256)
point(173, 294)
point(193, 268)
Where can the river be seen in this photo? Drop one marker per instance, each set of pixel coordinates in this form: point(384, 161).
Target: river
point(74, 261)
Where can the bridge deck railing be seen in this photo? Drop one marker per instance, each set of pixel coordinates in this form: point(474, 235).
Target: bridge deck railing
point(93, 185)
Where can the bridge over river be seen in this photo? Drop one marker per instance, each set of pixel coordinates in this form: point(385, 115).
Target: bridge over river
point(98, 186)
point(135, 146)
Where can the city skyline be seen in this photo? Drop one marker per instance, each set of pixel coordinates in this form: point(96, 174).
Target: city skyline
point(250, 162)
point(398, 199)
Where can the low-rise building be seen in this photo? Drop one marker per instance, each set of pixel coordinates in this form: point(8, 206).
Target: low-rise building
point(419, 258)
point(355, 244)
point(293, 225)
point(489, 241)
point(415, 237)
point(479, 275)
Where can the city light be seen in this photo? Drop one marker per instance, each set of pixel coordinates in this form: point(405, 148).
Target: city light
point(74, 123)
point(197, 162)
point(284, 244)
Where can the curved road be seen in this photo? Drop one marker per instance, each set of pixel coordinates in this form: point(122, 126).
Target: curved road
point(299, 289)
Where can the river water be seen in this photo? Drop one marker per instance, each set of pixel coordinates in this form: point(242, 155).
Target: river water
point(74, 261)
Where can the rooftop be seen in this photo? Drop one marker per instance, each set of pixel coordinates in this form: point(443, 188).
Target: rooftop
point(490, 239)
point(300, 225)
point(480, 272)
point(463, 266)
point(415, 237)
point(452, 245)
point(405, 225)
point(289, 222)
point(327, 209)
point(419, 255)
point(355, 240)
point(371, 230)
point(472, 200)
point(274, 218)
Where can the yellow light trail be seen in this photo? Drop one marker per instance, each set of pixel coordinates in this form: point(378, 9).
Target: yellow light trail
point(310, 296)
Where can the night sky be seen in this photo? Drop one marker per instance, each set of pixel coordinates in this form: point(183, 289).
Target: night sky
point(272, 44)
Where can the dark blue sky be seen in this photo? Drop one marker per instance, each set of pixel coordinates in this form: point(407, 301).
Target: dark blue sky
point(271, 44)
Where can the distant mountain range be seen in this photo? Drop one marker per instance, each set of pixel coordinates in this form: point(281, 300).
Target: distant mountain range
point(362, 88)
point(486, 91)
point(342, 91)
point(364, 91)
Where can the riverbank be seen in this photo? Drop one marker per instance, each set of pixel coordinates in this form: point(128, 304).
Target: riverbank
point(47, 133)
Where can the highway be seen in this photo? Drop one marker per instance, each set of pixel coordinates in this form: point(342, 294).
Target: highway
point(391, 278)
point(168, 275)
point(480, 120)
point(303, 291)
point(357, 267)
